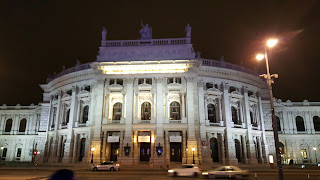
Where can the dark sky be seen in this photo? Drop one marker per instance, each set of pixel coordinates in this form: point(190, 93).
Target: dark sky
point(39, 37)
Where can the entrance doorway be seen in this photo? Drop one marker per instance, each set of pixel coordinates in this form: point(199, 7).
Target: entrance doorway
point(238, 149)
point(175, 152)
point(82, 148)
point(145, 151)
point(214, 149)
point(114, 151)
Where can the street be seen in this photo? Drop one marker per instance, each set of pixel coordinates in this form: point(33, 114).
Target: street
point(149, 174)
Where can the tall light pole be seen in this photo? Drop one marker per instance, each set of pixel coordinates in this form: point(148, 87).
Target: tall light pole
point(271, 43)
point(92, 149)
point(193, 149)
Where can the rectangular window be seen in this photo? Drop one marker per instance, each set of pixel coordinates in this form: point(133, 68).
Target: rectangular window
point(170, 80)
point(111, 81)
point(304, 154)
point(149, 81)
point(4, 152)
point(140, 81)
point(178, 80)
point(120, 81)
point(19, 152)
point(209, 85)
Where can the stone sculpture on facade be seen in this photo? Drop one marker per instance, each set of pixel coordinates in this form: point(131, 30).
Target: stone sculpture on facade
point(188, 31)
point(146, 32)
point(104, 34)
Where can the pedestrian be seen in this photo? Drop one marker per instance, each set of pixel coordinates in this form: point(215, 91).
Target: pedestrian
point(63, 174)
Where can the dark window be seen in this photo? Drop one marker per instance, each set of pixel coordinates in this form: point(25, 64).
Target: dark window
point(278, 123)
point(149, 81)
point(170, 80)
point(145, 111)
point(316, 123)
point(178, 80)
point(85, 115)
point(69, 92)
point(234, 115)
point(216, 86)
point(8, 125)
point(209, 85)
point(120, 81)
point(87, 88)
point(23, 124)
point(231, 89)
point(253, 122)
point(112, 81)
point(117, 111)
point(140, 81)
point(19, 152)
point(175, 111)
point(4, 152)
point(212, 113)
point(67, 116)
point(300, 123)
point(250, 93)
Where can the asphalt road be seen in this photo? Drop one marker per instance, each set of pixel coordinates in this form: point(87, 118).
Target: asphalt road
point(140, 174)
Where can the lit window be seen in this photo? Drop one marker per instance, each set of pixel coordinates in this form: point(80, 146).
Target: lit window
point(304, 153)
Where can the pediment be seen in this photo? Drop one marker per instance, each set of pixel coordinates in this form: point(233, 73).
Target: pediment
point(145, 86)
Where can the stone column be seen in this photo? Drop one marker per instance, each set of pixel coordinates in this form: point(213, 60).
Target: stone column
point(264, 144)
point(67, 158)
point(123, 114)
point(75, 148)
point(250, 143)
point(96, 118)
point(221, 121)
point(106, 112)
point(221, 142)
point(183, 107)
point(2, 123)
point(136, 109)
point(205, 108)
point(104, 145)
point(227, 117)
point(60, 139)
point(152, 108)
point(244, 149)
point(54, 144)
point(166, 116)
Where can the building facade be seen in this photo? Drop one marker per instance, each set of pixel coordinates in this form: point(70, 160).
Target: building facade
point(156, 101)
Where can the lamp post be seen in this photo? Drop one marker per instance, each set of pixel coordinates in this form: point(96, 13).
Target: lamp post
point(92, 149)
point(271, 43)
point(193, 149)
point(315, 151)
point(1, 153)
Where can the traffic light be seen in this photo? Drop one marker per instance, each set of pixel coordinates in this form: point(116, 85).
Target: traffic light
point(34, 152)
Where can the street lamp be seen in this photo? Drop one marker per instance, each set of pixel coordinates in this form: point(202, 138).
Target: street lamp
point(271, 43)
point(315, 151)
point(92, 149)
point(193, 149)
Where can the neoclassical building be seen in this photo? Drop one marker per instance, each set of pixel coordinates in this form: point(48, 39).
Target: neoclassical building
point(157, 101)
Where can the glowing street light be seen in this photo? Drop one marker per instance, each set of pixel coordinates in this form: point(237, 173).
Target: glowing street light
point(315, 151)
point(92, 150)
point(271, 43)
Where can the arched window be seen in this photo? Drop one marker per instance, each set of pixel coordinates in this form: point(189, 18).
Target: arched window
point(281, 148)
point(8, 125)
point(23, 124)
point(238, 149)
point(85, 114)
point(300, 123)
point(278, 123)
point(175, 111)
point(234, 115)
point(145, 111)
point(117, 111)
point(316, 123)
point(212, 113)
point(214, 149)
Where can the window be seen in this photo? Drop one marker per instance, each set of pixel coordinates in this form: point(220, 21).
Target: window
point(140, 81)
point(316, 123)
point(120, 81)
point(278, 123)
point(67, 116)
point(252, 119)
point(145, 111)
point(175, 111)
point(85, 114)
point(304, 154)
point(178, 80)
point(234, 113)
point(112, 81)
point(117, 111)
point(19, 152)
point(231, 89)
point(281, 148)
point(87, 88)
point(69, 92)
point(212, 113)
point(8, 125)
point(170, 80)
point(23, 124)
point(209, 85)
point(250, 93)
point(149, 81)
point(300, 123)
point(4, 153)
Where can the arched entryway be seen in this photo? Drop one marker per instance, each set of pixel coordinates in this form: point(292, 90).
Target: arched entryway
point(82, 148)
point(214, 149)
point(238, 149)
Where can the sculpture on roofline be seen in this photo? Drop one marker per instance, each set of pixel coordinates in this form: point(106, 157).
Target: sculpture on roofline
point(104, 34)
point(188, 31)
point(146, 32)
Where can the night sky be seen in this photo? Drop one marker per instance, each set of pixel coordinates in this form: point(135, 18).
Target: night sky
point(39, 37)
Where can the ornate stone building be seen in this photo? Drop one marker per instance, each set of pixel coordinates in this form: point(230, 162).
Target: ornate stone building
point(156, 101)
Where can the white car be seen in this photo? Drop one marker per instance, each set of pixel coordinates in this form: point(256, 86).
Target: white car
point(226, 172)
point(110, 166)
point(185, 170)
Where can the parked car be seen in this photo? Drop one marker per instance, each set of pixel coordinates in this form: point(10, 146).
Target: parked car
point(226, 172)
point(106, 166)
point(185, 170)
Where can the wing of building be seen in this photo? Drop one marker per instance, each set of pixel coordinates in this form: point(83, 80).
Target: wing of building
point(156, 101)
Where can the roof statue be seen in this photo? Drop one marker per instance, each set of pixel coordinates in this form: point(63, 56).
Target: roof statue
point(104, 34)
point(146, 32)
point(188, 31)
point(78, 62)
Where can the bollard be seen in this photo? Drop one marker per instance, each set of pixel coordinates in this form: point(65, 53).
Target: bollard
point(255, 176)
point(308, 176)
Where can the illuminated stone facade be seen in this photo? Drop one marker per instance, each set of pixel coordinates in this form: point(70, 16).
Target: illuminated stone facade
point(154, 101)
